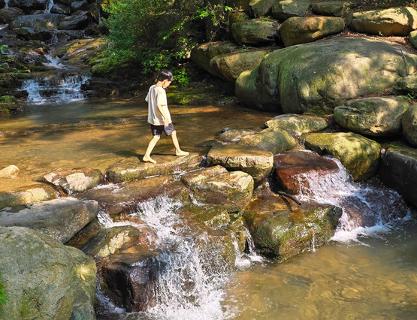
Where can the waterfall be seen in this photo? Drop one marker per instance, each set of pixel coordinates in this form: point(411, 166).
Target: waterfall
point(6, 3)
point(49, 5)
point(51, 90)
point(368, 209)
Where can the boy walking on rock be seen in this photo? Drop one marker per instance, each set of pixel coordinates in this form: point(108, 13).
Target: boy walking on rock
point(159, 116)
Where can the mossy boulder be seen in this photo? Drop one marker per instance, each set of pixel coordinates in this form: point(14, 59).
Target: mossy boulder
point(256, 32)
point(375, 116)
point(260, 8)
point(130, 169)
point(272, 140)
point(215, 185)
point(256, 162)
point(326, 73)
point(330, 8)
point(413, 38)
point(202, 54)
point(398, 170)
point(386, 22)
point(358, 154)
point(284, 9)
point(284, 231)
point(60, 219)
point(80, 51)
point(230, 65)
point(26, 195)
point(297, 124)
point(407, 85)
point(44, 279)
point(409, 123)
point(298, 30)
point(8, 105)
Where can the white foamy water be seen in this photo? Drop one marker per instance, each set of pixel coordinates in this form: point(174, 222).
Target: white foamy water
point(49, 5)
point(52, 90)
point(53, 62)
point(193, 275)
point(368, 210)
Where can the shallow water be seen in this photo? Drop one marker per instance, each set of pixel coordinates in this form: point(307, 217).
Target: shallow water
point(373, 281)
point(97, 133)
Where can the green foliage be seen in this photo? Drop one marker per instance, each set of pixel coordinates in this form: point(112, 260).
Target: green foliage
point(3, 296)
point(157, 34)
point(3, 48)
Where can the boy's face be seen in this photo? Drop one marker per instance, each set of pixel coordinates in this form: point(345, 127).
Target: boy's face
point(166, 84)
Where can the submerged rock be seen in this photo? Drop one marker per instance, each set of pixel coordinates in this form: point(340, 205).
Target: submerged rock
point(44, 279)
point(9, 172)
point(409, 124)
point(399, 171)
point(75, 180)
point(60, 219)
point(284, 230)
point(26, 195)
point(255, 32)
point(297, 124)
point(256, 162)
point(325, 73)
point(134, 169)
point(215, 185)
point(358, 154)
point(375, 116)
point(386, 22)
point(291, 166)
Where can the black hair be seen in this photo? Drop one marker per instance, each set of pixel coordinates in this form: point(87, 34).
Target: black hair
point(165, 75)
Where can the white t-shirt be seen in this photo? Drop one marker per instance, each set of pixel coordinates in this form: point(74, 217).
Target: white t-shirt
point(157, 97)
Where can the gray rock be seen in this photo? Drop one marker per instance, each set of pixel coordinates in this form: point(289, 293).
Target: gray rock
point(44, 279)
point(28, 4)
point(37, 26)
point(60, 219)
point(74, 22)
point(255, 32)
point(298, 124)
point(409, 123)
point(260, 8)
point(60, 9)
point(79, 5)
point(7, 15)
point(284, 9)
point(331, 8)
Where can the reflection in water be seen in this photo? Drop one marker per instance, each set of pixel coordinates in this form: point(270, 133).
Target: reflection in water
point(377, 281)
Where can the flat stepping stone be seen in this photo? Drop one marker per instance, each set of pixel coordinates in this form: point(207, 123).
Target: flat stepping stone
point(27, 195)
point(256, 162)
point(134, 169)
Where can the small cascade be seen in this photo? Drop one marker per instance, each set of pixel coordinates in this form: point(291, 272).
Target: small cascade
point(368, 209)
point(49, 90)
point(248, 258)
point(53, 62)
point(6, 3)
point(49, 5)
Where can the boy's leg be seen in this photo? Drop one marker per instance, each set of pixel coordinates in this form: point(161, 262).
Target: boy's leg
point(178, 150)
point(151, 146)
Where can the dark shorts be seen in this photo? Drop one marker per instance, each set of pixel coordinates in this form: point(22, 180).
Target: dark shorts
point(159, 130)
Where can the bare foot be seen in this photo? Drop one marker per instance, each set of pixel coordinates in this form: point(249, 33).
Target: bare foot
point(148, 159)
point(180, 153)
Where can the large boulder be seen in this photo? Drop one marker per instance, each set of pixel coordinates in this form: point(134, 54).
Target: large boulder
point(358, 154)
point(133, 169)
point(409, 123)
point(330, 8)
point(413, 38)
point(260, 8)
point(255, 32)
point(44, 279)
point(7, 15)
point(215, 185)
point(75, 180)
point(284, 9)
point(202, 54)
point(326, 73)
point(26, 195)
point(398, 170)
point(292, 169)
point(230, 65)
point(9, 172)
point(272, 140)
point(297, 30)
point(297, 124)
point(256, 162)
point(375, 116)
point(386, 22)
point(75, 21)
point(60, 219)
point(407, 85)
point(283, 231)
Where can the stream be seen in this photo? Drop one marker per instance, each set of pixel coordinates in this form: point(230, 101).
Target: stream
point(368, 271)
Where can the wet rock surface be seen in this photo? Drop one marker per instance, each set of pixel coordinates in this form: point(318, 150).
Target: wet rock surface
point(60, 219)
point(27, 195)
